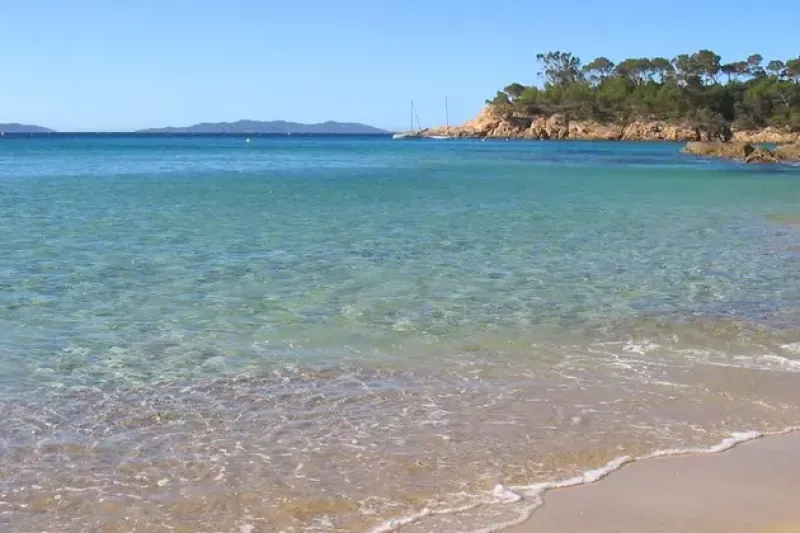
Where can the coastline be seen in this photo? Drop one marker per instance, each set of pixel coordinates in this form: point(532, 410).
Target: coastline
point(493, 124)
point(748, 487)
point(744, 483)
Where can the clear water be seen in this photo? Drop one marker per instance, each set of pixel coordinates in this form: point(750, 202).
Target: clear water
point(321, 334)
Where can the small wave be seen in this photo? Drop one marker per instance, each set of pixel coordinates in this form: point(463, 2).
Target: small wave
point(784, 362)
point(792, 347)
point(765, 362)
point(641, 348)
point(531, 497)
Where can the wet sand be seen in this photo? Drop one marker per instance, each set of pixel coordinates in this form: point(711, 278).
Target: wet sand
point(751, 488)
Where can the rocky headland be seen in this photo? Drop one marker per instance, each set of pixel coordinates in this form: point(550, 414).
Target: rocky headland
point(739, 145)
point(495, 124)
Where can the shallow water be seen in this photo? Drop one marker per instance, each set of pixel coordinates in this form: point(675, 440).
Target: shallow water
point(323, 334)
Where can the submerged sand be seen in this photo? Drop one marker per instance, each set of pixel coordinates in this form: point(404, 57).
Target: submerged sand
point(754, 487)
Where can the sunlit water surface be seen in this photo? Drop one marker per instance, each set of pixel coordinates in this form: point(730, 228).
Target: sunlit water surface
point(323, 334)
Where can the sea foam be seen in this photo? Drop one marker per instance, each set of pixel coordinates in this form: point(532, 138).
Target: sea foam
point(531, 497)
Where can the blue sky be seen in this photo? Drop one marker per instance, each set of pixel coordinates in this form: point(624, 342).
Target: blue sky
point(89, 65)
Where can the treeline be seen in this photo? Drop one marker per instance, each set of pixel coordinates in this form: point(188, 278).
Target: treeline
point(697, 87)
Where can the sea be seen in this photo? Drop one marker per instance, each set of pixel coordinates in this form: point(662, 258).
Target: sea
point(354, 334)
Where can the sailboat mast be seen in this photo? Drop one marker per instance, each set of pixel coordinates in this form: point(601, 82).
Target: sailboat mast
point(412, 116)
point(446, 115)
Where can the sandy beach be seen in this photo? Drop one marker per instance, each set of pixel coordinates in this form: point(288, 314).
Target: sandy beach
point(751, 488)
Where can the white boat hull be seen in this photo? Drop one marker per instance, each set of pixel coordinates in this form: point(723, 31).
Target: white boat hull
point(407, 135)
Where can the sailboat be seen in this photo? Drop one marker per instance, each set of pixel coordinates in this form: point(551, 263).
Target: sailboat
point(447, 121)
point(411, 133)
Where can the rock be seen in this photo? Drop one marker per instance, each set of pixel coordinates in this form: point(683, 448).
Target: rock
point(745, 152)
point(769, 135)
point(596, 130)
point(729, 150)
point(509, 127)
point(496, 122)
point(488, 121)
point(788, 152)
point(659, 131)
point(552, 127)
point(760, 155)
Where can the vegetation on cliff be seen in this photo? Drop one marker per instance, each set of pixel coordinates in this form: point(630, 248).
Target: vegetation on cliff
point(695, 88)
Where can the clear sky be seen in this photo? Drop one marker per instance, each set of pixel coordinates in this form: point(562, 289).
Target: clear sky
point(91, 65)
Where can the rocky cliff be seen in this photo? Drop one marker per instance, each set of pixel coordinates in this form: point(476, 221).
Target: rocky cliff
point(767, 135)
point(493, 124)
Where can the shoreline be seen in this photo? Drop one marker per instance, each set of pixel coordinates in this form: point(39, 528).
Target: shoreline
point(656, 136)
point(491, 123)
point(743, 487)
point(553, 506)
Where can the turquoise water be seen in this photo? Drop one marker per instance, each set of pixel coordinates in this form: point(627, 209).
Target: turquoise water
point(211, 282)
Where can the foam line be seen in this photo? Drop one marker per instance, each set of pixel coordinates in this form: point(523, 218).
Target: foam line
point(533, 494)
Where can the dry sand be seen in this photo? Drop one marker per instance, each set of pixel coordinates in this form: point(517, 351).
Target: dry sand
point(754, 487)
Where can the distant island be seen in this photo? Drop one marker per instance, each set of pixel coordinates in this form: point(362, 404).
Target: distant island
point(691, 97)
point(241, 127)
point(23, 128)
point(272, 127)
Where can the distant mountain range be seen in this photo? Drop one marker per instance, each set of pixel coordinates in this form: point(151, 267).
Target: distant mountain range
point(274, 127)
point(253, 127)
point(23, 128)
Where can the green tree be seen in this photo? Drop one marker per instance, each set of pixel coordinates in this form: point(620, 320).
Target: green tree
point(530, 101)
point(711, 125)
point(684, 89)
point(734, 70)
point(500, 100)
point(707, 64)
point(560, 68)
point(598, 69)
point(754, 67)
point(687, 70)
point(729, 69)
point(643, 69)
point(662, 68)
point(792, 70)
point(514, 91)
point(776, 68)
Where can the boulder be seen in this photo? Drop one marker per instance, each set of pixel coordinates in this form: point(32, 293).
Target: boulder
point(745, 152)
point(760, 155)
point(788, 152)
point(730, 150)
